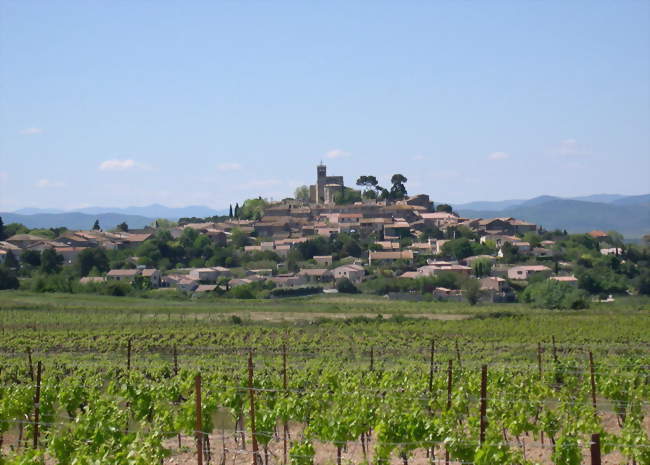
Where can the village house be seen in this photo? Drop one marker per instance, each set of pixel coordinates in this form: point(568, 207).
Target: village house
point(612, 251)
point(494, 284)
point(25, 240)
point(381, 257)
point(387, 245)
point(355, 273)
point(525, 271)
point(315, 275)
point(208, 274)
point(122, 275)
point(600, 235)
point(180, 282)
point(399, 228)
point(285, 281)
point(445, 294)
point(92, 279)
point(154, 276)
point(572, 280)
point(69, 254)
point(424, 248)
point(324, 260)
point(439, 220)
point(438, 267)
point(205, 288)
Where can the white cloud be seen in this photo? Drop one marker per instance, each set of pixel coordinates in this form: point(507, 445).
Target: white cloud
point(498, 156)
point(121, 165)
point(571, 148)
point(225, 167)
point(30, 131)
point(337, 153)
point(46, 183)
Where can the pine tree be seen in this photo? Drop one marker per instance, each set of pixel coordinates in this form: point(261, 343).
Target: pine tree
point(237, 210)
point(96, 226)
point(2, 230)
point(230, 212)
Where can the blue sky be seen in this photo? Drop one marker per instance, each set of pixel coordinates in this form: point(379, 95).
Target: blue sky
point(129, 103)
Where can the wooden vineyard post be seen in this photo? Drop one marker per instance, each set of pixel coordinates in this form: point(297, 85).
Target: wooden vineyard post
point(175, 362)
point(539, 360)
point(37, 404)
point(128, 356)
point(449, 381)
point(541, 377)
point(252, 409)
point(593, 384)
point(450, 368)
point(285, 425)
point(554, 351)
point(198, 427)
point(372, 358)
point(595, 449)
point(460, 365)
point(431, 366)
point(483, 403)
point(31, 366)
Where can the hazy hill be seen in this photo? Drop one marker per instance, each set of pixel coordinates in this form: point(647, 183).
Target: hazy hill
point(76, 220)
point(576, 216)
point(158, 211)
point(499, 205)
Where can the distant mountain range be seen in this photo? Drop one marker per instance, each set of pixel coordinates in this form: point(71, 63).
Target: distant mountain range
point(615, 199)
point(109, 217)
point(629, 215)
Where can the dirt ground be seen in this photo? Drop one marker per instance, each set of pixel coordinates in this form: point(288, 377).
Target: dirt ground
point(354, 454)
point(226, 450)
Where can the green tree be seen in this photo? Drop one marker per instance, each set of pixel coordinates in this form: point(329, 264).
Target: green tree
point(481, 267)
point(8, 279)
point(302, 193)
point(96, 226)
point(236, 210)
point(371, 186)
point(443, 207)
point(253, 209)
point(12, 229)
point(238, 238)
point(346, 286)
point(230, 212)
point(471, 290)
point(123, 227)
point(553, 294)
point(347, 196)
point(458, 248)
point(31, 258)
point(11, 262)
point(398, 190)
point(91, 259)
point(3, 235)
point(51, 261)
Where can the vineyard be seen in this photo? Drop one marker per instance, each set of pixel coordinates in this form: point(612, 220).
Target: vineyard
point(99, 383)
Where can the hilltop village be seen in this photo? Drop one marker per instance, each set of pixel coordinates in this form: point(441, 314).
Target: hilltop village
point(331, 238)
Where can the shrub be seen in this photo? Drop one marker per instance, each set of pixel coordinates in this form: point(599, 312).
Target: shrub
point(117, 289)
point(553, 294)
point(346, 286)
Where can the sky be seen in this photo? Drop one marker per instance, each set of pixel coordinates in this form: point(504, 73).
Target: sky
point(127, 103)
